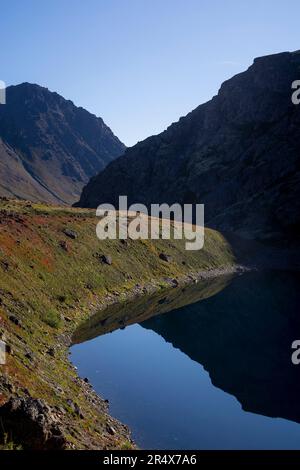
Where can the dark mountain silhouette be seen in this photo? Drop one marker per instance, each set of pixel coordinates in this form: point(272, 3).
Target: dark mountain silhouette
point(49, 148)
point(239, 154)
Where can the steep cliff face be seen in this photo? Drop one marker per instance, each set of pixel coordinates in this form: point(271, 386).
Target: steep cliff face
point(49, 147)
point(239, 154)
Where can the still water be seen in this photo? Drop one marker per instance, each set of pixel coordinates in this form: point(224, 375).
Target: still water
point(215, 373)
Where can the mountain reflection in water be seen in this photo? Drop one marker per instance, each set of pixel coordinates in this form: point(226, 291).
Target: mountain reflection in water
point(239, 330)
point(243, 338)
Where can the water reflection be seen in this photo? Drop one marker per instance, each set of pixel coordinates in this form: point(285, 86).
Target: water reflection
point(240, 330)
point(243, 338)
point(127, 313)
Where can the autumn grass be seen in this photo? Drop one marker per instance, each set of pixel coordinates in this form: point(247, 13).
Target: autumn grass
point(52, 283)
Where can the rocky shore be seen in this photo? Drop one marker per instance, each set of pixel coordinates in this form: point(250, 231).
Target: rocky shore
point(54, 278)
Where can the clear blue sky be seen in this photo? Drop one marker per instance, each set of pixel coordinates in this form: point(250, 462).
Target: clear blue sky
point(140, 64)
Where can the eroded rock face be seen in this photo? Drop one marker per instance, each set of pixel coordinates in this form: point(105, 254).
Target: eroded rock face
point(239, 154)
point(31, 423)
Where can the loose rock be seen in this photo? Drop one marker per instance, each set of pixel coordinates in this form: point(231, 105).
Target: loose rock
point(15, 320)
point(165, 257)
point(70, 233)
point(33, 424)
point(51, 352)
point(64, 245)
point(106, 259)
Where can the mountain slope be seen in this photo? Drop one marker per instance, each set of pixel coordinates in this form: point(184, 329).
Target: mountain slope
point(67, 281)
point(49, 147)
point(239, 154)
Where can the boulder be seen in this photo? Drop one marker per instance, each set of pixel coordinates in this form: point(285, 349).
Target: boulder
point(165, 257)
point(15, 320)
point(70, 233)
point(106, 259)
point(51, 352)
point(32, 423)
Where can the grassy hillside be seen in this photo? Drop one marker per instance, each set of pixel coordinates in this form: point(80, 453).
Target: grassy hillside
point(50, 283)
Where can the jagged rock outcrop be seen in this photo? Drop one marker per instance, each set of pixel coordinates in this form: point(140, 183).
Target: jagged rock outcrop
point(32, 424)
point(49, 148)
point(239, 154)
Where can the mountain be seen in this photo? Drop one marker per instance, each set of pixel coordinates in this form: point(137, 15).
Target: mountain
point(49, 148)
point(239, 154)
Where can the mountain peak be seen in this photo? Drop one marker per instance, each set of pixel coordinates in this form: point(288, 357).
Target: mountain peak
point(55, 144)
point(238, 154)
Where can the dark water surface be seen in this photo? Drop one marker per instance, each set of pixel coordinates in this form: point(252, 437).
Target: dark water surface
point(214, 374)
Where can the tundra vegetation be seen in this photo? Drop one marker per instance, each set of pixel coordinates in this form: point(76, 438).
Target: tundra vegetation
point(54, 274)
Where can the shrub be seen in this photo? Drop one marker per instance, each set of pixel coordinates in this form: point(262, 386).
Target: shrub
point(52, 318)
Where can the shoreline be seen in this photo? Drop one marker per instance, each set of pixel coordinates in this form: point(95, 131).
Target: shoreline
point(143, 291)
point(114, 428)
point(55, 275)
